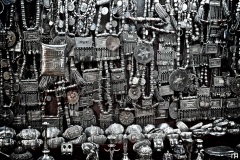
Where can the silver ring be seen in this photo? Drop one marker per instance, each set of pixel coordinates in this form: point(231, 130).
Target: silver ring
point(1, 7)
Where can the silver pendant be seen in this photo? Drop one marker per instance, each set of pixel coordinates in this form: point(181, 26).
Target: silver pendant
point(144, 116)
point(72, 97)
point(53, 60)
point(112, 43)
point(118, 81)
point(178, 80)
point(88, 118)
point(134, 93)
point(34, 118)
point(126, 118)
point(129, 42)
point(103, 53)
point(61, 40)
point(83, 50)
point(11, 39)
point(32, 41)
point(105, 120)
point(143, 53)
point(29, 95)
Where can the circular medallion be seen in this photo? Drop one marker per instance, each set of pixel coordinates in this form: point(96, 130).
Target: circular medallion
point(114, 24)
point(134, 93)
point(70, 6)
point(84, 7)
point(112, 43)
point(6, 75)
point(119, 3)
point(142, 81)
point(4, 63)
point(126, 118)
point(71, 21)
point(48, 98)
point(173, 110)
point(93, 27)
point(178, 80)
point(143, 53)
point(11, 39)
point(104, 11)
point(60, 23)
point(72, 97)
point(235, 85)
point(64, 40)
point(6, 116)
point(107, 26)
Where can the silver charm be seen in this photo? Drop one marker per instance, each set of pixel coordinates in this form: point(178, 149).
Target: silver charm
point(134, 93)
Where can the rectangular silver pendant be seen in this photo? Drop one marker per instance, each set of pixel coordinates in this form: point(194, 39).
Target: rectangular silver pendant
point(31, 35)
point(83, 42)
point(218, 81)
point(189, 104)
point(216, 103)
point(211, 48)
point(214, 62)
point(166, 90)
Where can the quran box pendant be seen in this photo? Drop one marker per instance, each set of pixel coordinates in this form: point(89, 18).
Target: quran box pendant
point(83, 50)
point(118, 81)
point(129, 42)
point(32, 41)
point(53, 60)
point(29, 92)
